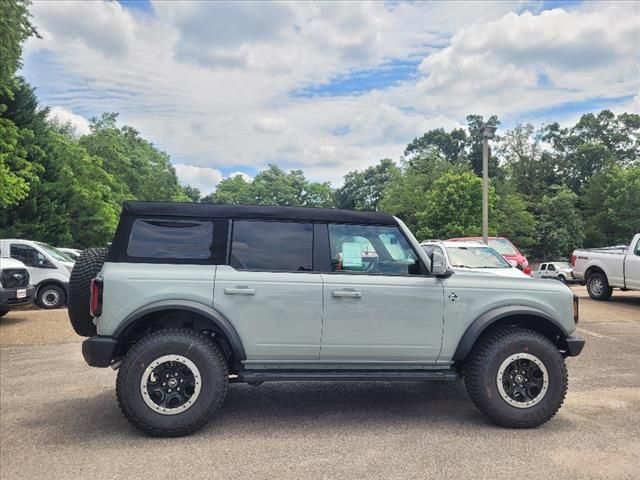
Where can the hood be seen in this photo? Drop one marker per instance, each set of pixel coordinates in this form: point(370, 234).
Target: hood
point(11, 263)
point(500, 272)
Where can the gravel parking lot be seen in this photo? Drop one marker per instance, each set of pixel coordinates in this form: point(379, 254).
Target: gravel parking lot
point(59, 419)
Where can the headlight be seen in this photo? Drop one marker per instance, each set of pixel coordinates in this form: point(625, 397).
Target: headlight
point(576, 309)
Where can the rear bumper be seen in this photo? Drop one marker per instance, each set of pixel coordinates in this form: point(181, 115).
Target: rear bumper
point(9, 297)
point(574, 345)
point(98, 350)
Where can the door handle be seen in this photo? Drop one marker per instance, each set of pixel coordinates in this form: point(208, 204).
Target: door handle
point(346, 294)
point(240, 291)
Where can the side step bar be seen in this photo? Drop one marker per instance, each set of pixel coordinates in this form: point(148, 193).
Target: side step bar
point(338, 375)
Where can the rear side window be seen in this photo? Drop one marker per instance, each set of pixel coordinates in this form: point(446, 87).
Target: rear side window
point(171, 239)
point(272, 246)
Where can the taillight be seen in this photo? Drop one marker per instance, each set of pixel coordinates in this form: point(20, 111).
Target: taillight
point(95, 302)
point(573, 260)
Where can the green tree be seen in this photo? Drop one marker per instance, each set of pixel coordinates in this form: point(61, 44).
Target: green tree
point(452, 145)
point(475, 124)
point(363, 190)
point(612, 205)
point(560, 228)
point(192, 193)
point(15, 29)
point(146, 171)
point(453, 207)
point(233, 190)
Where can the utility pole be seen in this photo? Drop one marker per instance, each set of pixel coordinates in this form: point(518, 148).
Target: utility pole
point(488, 132)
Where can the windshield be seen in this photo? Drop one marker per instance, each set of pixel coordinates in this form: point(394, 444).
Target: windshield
point(476, 257)
point(55, 253)
point(503, 246)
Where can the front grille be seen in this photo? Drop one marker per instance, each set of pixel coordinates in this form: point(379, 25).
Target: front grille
point(14, 278)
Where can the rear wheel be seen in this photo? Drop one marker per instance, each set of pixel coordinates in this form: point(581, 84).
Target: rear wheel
point(598, 286)
point(51, 296)
point(516, 377)
point(3, 312)
point(172, 382)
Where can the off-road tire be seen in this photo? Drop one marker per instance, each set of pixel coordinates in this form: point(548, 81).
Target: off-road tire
point(481, 370)
point(197, 347)
point(594, 292)
point(86, 267)
point(3, 312)
point(51, 289)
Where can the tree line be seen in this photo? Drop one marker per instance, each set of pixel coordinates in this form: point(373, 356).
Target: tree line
point(553, 188)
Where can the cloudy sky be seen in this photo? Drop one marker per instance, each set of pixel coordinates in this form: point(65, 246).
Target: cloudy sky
point(326, 87)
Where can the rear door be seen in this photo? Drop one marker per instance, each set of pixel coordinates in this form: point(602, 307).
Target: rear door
point(632, 267)
point(379, 305)
point(270, 292)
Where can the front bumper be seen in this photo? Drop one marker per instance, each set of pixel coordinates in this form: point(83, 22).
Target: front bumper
point(98, 350)
point(9, 297)
point(574, 345)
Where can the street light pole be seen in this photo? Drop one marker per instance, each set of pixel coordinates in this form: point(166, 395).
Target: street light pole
point(488, 131)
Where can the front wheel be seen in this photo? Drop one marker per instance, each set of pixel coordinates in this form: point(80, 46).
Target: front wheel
point(51, 296)
point(516, 377)
point(172, 382)
point(598, 286)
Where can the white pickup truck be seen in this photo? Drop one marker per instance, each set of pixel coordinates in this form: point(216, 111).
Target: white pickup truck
point(603, 269)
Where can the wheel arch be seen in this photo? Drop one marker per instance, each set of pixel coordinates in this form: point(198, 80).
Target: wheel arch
point(513, 315)
point(169, 313)
point(595, 269)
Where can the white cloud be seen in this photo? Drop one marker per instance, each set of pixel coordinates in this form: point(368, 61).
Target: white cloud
point(212, 83)
point(270, 125)
point(204, 179)
point(63, 116)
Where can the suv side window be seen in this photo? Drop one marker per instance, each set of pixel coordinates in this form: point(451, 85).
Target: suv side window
point(272, 246)
point(170, 239)
point(29, 256)
point(543, 266)
point(371, 249)
point(551, 268)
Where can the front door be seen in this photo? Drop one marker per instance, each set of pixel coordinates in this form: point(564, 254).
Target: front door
point(269, 291)
point(37, 264)
point(378, 304)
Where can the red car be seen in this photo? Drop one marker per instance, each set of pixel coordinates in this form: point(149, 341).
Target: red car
point(505, 248)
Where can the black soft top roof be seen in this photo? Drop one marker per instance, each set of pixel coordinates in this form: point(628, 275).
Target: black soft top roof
point(208, 210)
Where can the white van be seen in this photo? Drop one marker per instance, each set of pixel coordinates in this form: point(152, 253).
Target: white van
point(48, 268)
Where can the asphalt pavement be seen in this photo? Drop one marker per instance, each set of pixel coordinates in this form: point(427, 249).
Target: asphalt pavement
point(59, 419)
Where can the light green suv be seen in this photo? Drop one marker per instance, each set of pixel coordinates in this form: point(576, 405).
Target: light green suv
point(192, 297)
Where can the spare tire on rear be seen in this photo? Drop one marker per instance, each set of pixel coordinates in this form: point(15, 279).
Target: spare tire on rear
point(85, 268)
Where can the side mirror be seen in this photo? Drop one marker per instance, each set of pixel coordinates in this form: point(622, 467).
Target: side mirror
point(439, 265)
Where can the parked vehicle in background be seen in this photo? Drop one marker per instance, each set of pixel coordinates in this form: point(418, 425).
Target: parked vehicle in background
point(72, 253)
point(190, 297)
point(603, 269)
point(505, 248)
point(561, 271)
point(472, 256)
point(48, 268)
point(15, 287)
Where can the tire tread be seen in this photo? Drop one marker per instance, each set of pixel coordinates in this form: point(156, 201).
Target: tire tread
point(481, 356)
point(170, 334)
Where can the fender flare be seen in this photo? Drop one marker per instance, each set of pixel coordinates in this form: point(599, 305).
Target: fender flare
point(215, 317)
point(484, 321)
